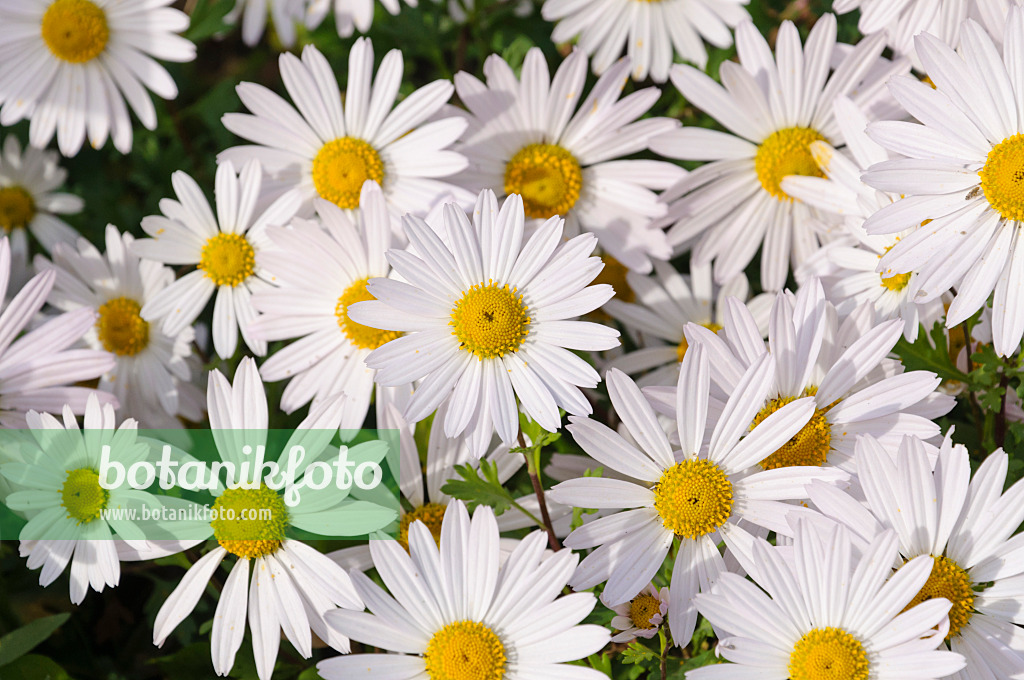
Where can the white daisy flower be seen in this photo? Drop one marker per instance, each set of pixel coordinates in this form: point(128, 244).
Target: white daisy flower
point(962, 526)
point(992, 15)
point(698, 494)
point(37, 369)
point(822, 613)
point(642, 616)
point(350, 14)
point(843, 365)
point(29, 202)
point(773, 106)
point(488, 319)
point(69, 65)
point(847, 267)
point(901, 20)
point(533, 137)
point(224, 249)
point(328, 150)
point(283, 14)
point(652, 33)
point(455, 614)
point(151, 373)
point(665, 303)
point(293, 585)
point(960, 175)
point(61, 496)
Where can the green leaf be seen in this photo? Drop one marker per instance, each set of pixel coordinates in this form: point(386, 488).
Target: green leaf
point(23, 640)
point(208, 19)
point(921, 355)
point(35, 667)
point(637, 653)
point(476, 490)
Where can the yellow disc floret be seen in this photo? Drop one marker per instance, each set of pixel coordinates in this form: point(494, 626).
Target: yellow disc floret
point(341, 168)
point(490, 320)
point(1002, 178)
point(75, 30)
point(547, 177)
point(228, 259)
point(120, 329)
point(684, 345)
point(82, 496)
point(786, 152)
point(17, 208)
point(614, 274)
point(949, 580)
point(250, 523)
point(642, 609)
point(465, 650)
point(828, 654)
point(363, 337)
point(694, 498)
point(430, 514)
point(809, 446)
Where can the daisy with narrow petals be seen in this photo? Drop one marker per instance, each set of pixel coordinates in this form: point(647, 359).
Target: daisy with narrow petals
point(773, 106)
point(283, 15)
point(901, 20)
point(960, 173)
point(652, 33)
point(489, 319)
point(328, 149)
point(70, 65)
point(223, 248)
point(537, 136)
point(963, 526)
point(454, 614)
point(642, 616)
point(823, 613)
point(697, 495)
point(350, 14)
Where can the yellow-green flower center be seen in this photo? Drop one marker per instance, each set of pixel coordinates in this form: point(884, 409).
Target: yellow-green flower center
point(250, 523)
point(430, 514)
point(465, 650)
point(694, 498)
point(828, 654)
point(642, 609)
point(809, 446)
point(16, 208)
point(490, 320)
point(1002, 178)
point(361, 336)
point(949, 580)
point(786, 152)
point(120, 328)
point(228, 259)
point(684, 345)
point(75, 30)
point(547, 177)
point(341, 168)
point(82, 496)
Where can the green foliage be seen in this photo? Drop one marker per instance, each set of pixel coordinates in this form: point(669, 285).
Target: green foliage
point(476, 489)
point(23, 640)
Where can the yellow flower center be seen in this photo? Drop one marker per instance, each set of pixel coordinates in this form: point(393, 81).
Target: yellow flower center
point(250, 523)
point(614, 274)
point(75, 30)
point(1002, 178)
point(228, 259)
point(490, 320)
point(430, 514)
point(949, 580)
point(341, 168)
point(828, 654)
point(642, 609)
point(547, 177)
point(786, 152)
point(683, 345)
point(895, 282)
point(16, 208)
point(465, 650)
point(82, 496)
point(809, 446)
point(120, 328)
point(361, 336)
point(694, 498)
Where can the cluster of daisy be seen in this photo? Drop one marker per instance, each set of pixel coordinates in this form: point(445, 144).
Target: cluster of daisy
point(532, 262)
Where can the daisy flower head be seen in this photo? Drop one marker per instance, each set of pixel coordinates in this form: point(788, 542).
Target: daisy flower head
point(489, 319)
point(664, 304)
point(532, 136)
point(959, 171)
point(901, 20)
point(151, 375)
point(856, 390)
point(283, 14)
point(823, 612)
point(454, 614)
point(224, 249)
point(962, 526)
point(652, 33)
point(349, 15)
point(69, 65)
point(641, 616)
point(326, 148)
point(697, 494)
point(773, 106)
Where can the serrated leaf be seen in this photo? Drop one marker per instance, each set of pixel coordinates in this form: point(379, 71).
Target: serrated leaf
point(23, 640)
point(476, 490)
point(921, 355)
point(637, 653)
